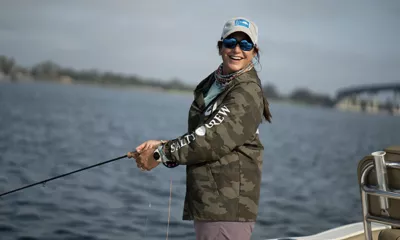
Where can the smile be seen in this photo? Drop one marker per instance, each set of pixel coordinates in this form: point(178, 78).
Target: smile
point(235, 58)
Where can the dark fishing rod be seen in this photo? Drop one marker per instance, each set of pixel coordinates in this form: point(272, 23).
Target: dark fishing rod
point(66, 174)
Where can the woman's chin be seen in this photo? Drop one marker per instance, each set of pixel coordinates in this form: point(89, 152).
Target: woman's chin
point(233, 67)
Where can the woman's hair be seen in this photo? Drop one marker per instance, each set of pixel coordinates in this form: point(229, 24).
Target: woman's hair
point(266, 112)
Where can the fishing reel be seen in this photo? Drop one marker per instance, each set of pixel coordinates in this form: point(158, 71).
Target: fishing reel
point(159, 156)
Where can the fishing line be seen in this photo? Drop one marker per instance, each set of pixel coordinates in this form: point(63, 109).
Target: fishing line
point(169, 206)
point(63, 175)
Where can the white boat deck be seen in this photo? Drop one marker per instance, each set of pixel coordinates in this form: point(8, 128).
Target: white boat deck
point(354, 231)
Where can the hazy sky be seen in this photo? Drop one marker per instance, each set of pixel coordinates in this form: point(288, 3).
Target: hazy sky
point(322, 45)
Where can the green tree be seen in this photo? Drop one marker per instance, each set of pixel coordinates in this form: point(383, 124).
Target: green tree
point(306, 96)
point(46, 69)
point(6, 64)
point(271, 92)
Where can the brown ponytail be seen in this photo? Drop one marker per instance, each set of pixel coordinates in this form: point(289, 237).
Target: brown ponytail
point(266, 113)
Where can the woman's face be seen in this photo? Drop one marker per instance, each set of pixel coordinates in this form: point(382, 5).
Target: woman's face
point(235, 59)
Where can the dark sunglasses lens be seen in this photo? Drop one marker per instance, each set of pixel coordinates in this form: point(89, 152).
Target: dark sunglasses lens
point(232, 42)
point(245, 45)
point(229, 42)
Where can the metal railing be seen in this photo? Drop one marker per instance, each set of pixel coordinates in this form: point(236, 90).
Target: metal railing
point(382, 190)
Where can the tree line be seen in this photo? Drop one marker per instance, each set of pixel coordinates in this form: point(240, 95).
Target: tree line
point(48, 70)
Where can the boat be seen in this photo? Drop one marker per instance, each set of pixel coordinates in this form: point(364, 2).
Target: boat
point(379, 181)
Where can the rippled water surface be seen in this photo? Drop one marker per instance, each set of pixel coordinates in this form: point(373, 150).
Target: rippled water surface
point(309, 174)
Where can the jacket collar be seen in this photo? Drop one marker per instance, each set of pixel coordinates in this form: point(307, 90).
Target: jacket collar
point(203, 87)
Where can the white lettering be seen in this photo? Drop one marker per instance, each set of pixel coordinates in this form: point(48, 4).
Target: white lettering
point(218, 119)
point(185, 140)
point(210, 124)
point(188, 138)
point(223, 111)
point(177, 146)
point(173, 149)
point(182, 142)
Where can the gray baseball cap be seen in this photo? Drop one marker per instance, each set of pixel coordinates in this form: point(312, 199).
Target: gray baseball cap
point(241, 24)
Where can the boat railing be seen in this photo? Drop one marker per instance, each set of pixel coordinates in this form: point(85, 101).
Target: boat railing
point(381, 190)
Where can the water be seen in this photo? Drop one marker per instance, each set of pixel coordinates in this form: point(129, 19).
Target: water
point(309, 175)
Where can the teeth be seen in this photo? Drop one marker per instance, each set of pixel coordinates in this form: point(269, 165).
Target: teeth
point(235, 58)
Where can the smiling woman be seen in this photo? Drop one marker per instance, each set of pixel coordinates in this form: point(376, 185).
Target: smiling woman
point(222, 150)
point(235, 59)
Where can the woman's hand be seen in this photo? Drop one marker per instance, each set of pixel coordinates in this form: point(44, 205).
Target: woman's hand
point(146, 161)
point(144, 154)
point(150, 144)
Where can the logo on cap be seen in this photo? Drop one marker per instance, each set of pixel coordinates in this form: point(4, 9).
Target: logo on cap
point(242, 22)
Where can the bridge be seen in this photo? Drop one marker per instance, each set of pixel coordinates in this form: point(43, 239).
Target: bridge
point(373, 88)
point(350, 98)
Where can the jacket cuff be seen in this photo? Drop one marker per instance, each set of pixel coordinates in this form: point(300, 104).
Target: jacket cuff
point(166, 157)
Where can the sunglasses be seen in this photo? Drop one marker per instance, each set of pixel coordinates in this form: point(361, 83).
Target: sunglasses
point(232, 42)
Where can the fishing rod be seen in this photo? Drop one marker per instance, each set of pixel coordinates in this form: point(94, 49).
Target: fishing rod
point(131, 154)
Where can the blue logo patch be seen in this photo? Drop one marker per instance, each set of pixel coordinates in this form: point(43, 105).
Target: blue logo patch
point(242, 22)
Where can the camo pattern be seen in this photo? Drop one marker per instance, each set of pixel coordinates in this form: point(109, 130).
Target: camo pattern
point(222, 152)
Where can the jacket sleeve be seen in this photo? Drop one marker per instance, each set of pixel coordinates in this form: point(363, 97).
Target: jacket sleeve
point(234, 121)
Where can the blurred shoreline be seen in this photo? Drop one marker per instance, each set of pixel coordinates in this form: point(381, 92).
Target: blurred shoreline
point(49, 71)
point(52, 72)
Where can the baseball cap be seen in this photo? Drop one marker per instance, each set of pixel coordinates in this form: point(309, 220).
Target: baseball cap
point(240, 24)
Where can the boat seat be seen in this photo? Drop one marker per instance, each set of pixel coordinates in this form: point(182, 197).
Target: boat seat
point(389, 234)
point(379, 181)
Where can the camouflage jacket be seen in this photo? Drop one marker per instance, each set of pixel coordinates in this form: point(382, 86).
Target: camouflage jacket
point(222, 152)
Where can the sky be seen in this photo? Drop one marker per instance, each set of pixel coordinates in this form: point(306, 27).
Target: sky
point(320, 45)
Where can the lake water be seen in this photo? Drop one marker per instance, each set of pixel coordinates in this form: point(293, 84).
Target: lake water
point(309, 173)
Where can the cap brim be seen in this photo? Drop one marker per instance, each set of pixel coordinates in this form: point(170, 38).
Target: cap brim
point(244, 30)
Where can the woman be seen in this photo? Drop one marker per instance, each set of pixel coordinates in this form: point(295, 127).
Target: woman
point(222, 150)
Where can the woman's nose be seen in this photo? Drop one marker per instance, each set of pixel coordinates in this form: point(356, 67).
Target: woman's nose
point(237, 48)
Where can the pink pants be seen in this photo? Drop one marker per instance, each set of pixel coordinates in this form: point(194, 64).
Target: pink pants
point(207, 230)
